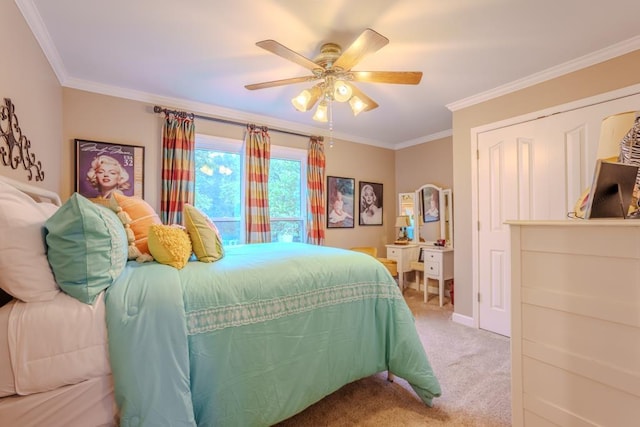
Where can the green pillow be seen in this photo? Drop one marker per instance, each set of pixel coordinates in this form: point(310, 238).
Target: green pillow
point(205, 238)
point(87, 247)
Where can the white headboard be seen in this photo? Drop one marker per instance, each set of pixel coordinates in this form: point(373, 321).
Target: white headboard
point(39, 194)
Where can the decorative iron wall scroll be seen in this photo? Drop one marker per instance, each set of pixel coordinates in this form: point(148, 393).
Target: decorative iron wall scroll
point(15, 147)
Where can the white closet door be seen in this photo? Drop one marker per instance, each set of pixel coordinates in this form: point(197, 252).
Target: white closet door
point(505, 175)
point(530, 171)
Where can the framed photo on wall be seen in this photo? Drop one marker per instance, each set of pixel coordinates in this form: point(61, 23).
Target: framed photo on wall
point(340, 202)
point(103, 168)
point(370, 203)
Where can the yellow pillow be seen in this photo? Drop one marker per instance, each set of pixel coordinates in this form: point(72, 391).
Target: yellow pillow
point(170, 245)
point(142, 216)
point(205, 238)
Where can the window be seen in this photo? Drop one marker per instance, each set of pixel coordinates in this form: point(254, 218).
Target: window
point(219, 189)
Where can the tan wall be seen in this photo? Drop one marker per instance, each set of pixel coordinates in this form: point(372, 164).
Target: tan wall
point(371, 164)
point(427, 163)
point(29, 81)
point(109, 119)
point(610, 75)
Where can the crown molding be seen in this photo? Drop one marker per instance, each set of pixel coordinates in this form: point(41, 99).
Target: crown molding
point(424, 139)
point(39, 30)
point(588, 60)
point(214, 111)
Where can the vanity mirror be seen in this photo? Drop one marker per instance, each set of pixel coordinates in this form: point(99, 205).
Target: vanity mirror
point(406, 208)
point(433, 215)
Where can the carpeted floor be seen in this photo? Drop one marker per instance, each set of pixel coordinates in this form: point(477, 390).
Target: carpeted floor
point(473, 367)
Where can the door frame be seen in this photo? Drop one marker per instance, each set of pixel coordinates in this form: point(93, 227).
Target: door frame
point(476, 131)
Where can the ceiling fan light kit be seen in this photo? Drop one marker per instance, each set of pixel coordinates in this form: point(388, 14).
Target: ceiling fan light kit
point(321, 114)
point(357, 105)
point(332, 67)
point(307, 98)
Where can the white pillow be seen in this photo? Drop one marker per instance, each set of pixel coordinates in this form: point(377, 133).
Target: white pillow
point(24, 269)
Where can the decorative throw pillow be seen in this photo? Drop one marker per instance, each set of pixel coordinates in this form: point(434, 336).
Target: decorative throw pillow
point(205, 238)
point(141, 215)
point(87, 247)
point(26, 274)
point(170, 245)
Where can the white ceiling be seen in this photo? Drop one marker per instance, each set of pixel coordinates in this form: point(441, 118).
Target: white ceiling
point(199, 54)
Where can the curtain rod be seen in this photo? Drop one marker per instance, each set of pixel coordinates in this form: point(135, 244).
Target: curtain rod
point(184, 114)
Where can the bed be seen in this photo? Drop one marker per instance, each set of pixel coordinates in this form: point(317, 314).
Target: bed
point(250, 339)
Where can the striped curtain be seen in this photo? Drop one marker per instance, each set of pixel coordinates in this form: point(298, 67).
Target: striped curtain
point(178, 163)
point(257, 151)
point(315, 191)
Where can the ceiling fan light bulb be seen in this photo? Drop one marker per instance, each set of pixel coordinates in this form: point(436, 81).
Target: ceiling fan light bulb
point(321, 112)
point(342, 92)
point(357, 105)
point(302, 101)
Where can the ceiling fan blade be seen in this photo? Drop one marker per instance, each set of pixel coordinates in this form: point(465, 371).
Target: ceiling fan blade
point(286, 53)
point(282, 82)
point(371, 104)
point(394, 77)
point(368, 42)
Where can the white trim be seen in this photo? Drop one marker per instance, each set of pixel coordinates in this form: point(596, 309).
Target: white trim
point(585, 61)
point(219, 143)
point(39, 30)
point(476, 131)
point(463, 320)
point(422, 140)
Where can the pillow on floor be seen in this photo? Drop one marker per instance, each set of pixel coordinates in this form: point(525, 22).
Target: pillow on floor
point(87, 247)
point(26, 274)
point(205, 237)
point(142, 216)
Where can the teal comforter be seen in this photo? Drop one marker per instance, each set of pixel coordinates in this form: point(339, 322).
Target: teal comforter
point(256, 337)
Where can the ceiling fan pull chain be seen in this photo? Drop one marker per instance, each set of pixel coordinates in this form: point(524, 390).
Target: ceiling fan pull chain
point(330, 124)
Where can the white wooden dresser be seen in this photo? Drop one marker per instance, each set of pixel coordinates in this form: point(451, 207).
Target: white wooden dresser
point(575, 323)
point(403, 255)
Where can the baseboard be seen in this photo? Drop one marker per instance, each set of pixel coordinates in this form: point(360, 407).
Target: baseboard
point(463, 320)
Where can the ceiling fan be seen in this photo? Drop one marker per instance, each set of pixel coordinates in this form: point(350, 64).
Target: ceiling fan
point(332, 69)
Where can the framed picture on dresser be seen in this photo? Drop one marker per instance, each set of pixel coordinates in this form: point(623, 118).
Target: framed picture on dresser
point(103, 168)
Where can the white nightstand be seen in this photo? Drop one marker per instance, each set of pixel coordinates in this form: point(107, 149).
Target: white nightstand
point(438, 265)
point(403, 255)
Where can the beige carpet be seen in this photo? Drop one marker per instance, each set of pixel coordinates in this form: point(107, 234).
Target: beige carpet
point(473, 367)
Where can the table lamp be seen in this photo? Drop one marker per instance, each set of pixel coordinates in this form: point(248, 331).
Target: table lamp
point(402, 222)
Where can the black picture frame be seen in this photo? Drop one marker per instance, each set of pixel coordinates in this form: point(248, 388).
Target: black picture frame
point(421, 255)
point(371, 203)
point(340, 202)
point(127, 162)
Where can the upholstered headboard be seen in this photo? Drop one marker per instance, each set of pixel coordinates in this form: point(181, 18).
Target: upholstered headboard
point(37, 193)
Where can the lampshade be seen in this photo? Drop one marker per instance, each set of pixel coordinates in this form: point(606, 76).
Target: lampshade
point(342, 91)
point(307, 98)
point(321, 112)
point(357, 105)
point(403, 221)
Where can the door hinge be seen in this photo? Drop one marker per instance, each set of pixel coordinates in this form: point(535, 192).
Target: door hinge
point(478, 296)
point(478, 225)
point(477, 154)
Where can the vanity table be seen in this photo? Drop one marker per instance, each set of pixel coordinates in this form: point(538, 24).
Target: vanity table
point(431, 221)
point(403, 255)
